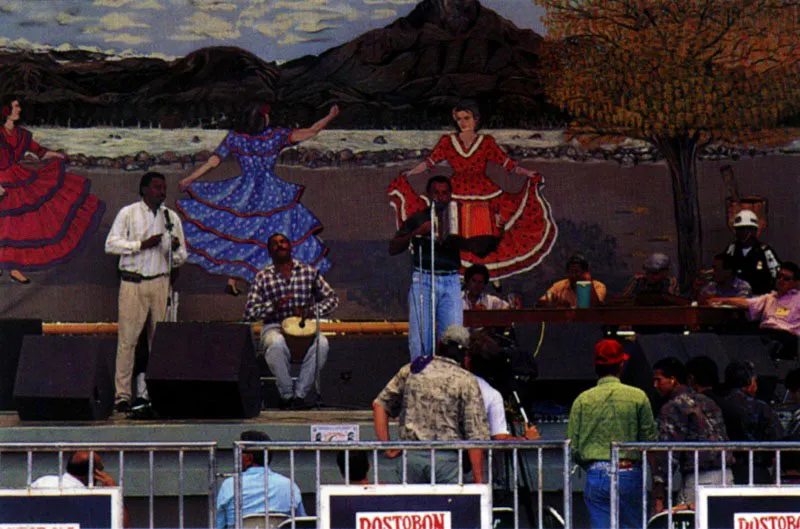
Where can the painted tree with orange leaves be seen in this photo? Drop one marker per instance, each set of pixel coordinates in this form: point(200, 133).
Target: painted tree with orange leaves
point(680, 74)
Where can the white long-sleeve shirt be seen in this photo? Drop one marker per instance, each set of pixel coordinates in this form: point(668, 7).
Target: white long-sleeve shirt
point(137, 222)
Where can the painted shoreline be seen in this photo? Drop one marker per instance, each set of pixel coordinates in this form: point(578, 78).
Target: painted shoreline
point(316, 158)
point(141, 149)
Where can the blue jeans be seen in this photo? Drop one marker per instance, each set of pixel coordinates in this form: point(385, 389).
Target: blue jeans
point(597, 496)
point(449, 310)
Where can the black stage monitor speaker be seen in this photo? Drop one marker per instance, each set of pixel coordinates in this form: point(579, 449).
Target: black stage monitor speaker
point(359, 367)
point(723, 349)
point(65, 378)
point(12, 331)
point(203, 370)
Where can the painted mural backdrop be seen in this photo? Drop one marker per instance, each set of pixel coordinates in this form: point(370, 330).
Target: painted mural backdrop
point(610, 151)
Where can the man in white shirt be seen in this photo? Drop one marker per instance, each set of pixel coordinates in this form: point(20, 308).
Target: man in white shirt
point(484, 361)
point(143, 235)
point(77, 474)
point(473, 297)
point(77, 477)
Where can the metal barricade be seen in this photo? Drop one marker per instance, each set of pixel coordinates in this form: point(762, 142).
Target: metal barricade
point(165, 467)
point(650, 451)
point(528, 463)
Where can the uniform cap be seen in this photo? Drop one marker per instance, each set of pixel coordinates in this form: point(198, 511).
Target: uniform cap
point(745, 219)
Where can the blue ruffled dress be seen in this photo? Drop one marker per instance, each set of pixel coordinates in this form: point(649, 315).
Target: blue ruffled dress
point(227, 223)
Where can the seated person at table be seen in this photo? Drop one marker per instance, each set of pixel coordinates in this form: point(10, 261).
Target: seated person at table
point(778, 311)
point(473, 296)
point(655, 281)
point(724, 284)
point(564, 294)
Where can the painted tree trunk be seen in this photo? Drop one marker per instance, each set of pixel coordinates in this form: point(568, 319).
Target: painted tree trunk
point(681, 155)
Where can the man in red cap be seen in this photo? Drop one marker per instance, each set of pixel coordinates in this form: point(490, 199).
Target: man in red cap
point(611, 411)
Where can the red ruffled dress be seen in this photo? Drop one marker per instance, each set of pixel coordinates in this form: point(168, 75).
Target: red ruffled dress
point(46, 214)
point(529, 229)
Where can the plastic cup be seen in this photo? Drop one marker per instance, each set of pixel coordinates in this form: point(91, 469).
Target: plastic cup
point(584, 294)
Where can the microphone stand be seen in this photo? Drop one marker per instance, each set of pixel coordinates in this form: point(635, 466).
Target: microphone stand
point(433, 277)
point(317, 383)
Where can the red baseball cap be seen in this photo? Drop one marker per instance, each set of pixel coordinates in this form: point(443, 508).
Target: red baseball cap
point(609, 352)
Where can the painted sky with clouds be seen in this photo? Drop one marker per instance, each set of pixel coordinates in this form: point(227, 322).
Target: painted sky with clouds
point(272, 29)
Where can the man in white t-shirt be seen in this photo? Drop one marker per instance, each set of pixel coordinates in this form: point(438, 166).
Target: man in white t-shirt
point(77, 474)
point(482, 361)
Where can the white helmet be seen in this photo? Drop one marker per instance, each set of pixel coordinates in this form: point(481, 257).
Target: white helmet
point(745, 219)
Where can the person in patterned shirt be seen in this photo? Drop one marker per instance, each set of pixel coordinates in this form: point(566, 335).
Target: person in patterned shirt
point(289, 288)
point(687, 416)
point(436, 399)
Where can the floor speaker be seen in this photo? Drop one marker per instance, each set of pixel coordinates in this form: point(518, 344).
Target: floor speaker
point(12, 332)
point(359, 367)
point(722, 348)
point(203, 370)
point(65, 378)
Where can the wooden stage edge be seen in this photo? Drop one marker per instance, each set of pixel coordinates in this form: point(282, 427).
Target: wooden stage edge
point(10, 419)
point(627, 315)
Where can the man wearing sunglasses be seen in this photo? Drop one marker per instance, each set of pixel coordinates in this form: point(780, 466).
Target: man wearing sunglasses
point(778, 311)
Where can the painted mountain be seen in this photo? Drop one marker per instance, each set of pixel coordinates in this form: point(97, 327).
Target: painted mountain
point(408, 74)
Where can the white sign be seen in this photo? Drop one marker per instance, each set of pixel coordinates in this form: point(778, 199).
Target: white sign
point(326, 433)
point(404, 520)
point(405, 506)
point(40, 526)
point(766, 520)
point(751, 507)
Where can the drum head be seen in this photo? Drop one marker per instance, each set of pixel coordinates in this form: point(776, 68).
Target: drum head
point(291, 326)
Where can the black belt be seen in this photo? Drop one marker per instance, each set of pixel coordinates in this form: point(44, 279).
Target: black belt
point(133, 277)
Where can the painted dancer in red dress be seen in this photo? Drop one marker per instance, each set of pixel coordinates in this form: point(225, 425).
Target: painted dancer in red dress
point(524, 219)
point(46, 213)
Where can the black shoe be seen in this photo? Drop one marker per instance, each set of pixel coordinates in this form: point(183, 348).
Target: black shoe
point(140, 404)
point(300, 404)
point(142, 410)
point(122, 406)
point(286, 404)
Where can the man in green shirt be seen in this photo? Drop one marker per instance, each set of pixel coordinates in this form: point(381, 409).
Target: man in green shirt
point(611, 411)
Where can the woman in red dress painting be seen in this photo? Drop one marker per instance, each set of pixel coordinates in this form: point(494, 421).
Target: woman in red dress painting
point(524, 220)
point(46, 213)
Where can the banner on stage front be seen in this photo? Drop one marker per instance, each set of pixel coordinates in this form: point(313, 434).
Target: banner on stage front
point(99, 508)
point(405, 507)
point(757, 507)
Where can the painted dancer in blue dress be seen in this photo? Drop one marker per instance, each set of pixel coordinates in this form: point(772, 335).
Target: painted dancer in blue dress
point(228, 222)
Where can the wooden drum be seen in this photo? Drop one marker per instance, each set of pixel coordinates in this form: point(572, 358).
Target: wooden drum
point(298, 338)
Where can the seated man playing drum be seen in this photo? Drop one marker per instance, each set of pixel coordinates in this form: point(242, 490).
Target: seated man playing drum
point(290, 289)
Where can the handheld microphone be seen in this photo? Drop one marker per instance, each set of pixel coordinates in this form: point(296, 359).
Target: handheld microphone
point(167, 220)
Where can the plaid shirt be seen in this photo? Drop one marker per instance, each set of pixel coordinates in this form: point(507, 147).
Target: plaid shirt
point(272, 298)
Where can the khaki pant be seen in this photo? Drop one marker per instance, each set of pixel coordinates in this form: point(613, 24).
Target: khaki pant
point(136, 302)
